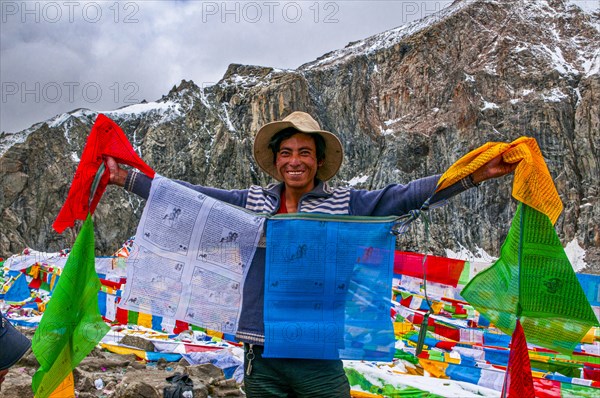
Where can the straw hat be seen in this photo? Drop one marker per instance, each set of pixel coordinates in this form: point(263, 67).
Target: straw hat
point(304, 123)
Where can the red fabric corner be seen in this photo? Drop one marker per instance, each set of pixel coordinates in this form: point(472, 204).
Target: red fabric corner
point(111, 284)
point(519, 381)
point(105, 139)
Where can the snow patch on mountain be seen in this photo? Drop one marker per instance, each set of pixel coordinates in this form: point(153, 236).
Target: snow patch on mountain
point(357, 180)
point(383, 40)
point(9, 139)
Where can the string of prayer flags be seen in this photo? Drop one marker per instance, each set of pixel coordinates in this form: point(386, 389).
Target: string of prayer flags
point(327, 287)
point(533, 276)
point(105, 139)
point(532, 184)
point(71, 326)
point(482, 355)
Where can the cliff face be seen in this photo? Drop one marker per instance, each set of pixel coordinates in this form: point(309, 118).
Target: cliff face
point(406, 103)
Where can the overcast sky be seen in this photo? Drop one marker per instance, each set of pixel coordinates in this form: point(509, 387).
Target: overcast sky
point(56, 56)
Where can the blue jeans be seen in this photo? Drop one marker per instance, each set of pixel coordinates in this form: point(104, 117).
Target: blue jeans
point(293, 378)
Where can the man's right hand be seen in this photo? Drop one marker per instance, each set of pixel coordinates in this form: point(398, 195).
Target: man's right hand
point(117, 174)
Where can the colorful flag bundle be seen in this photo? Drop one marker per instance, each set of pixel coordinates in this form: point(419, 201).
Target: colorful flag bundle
point(468, 350)
point(532, 283)
point(72, 324)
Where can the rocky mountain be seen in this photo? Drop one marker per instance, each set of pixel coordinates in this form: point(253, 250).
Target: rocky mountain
point(406, 103)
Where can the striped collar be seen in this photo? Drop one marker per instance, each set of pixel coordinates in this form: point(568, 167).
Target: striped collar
point(321, 190)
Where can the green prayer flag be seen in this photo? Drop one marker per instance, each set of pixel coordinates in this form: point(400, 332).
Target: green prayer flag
point(71, 326)
point(533, 279)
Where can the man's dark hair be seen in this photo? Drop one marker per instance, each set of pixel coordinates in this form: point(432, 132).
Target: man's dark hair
point(275, 143)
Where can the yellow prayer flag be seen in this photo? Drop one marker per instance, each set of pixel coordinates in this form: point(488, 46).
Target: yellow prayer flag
point(121, 350)
point(532, 184)
point(435, 368)
point(145, 320)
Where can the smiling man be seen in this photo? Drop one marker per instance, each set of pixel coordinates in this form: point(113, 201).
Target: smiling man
point(302, 157)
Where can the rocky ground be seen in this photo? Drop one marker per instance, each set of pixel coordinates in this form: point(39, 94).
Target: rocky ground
point(104, 374)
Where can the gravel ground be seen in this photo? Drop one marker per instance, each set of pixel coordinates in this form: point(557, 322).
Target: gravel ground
point(105, 374)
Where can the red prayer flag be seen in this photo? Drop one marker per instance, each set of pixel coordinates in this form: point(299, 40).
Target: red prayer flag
point(35, 283)
point(122, 316)
point(591, 371)
point(105, 139)
point(446, 345)
point(545, 388)
point(417, 318)
point(438, 269)
point(180, 326)
point(405, 302)
point(519, 381)
point(447, 331)
point(111, 284)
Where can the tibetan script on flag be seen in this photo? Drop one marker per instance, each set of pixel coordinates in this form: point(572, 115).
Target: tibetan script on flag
point(190, 257)
point(327, 287)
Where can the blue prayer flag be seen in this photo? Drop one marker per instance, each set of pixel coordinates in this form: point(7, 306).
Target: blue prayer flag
point(102, 303)
point(496, 339)
point(328, 284)
point(591, 287)
point(463, 373)
point(19, 291)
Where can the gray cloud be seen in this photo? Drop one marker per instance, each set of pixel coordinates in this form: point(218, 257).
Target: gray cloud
point(63, 55)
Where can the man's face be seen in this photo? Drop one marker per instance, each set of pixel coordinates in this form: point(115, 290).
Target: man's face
point(297, 163)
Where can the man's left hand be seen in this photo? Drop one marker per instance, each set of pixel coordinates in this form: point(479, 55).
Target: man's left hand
point(496, 167)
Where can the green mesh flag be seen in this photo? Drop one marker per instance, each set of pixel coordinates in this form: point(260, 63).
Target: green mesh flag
point(71, 326)
point(533, 278)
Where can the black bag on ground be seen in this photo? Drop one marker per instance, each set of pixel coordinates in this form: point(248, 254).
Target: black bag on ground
point(180, 383)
